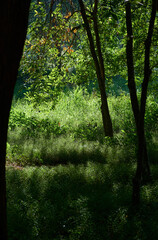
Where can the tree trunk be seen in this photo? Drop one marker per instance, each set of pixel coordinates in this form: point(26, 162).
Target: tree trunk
point(99, 66)
point(107, 123)
point(3, 216)
point(13, 26)
point(143, 162)
point(143, 168)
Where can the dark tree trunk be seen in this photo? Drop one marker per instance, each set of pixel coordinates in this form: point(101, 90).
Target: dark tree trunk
point(99, 65)
point(147, 73)
point(143, 168)
point(13, 26)
point(134, 99)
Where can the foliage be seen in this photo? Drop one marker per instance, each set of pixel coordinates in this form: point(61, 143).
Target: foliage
point(56, 51)
point(72, 131)
point(48, 63)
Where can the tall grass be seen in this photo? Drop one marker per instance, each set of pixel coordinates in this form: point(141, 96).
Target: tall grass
point(73, 130)
point(78, 183)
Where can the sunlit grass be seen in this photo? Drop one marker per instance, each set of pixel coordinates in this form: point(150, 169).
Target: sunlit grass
point(73, 131)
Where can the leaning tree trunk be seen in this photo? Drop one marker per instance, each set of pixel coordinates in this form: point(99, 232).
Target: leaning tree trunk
point(13, 26)
point(100, 70)
point(99, 66)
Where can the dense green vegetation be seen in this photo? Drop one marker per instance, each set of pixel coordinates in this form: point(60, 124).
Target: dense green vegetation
point(86, 202)
point(65, 178)
point(73, 132)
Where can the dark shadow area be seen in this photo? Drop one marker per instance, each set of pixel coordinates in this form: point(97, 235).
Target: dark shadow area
point(78, 202)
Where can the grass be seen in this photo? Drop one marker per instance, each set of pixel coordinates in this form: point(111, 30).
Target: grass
point(66, 181)
point(86, 202)
point(73, 130)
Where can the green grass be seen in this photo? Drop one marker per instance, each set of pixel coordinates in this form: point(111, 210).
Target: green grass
point(66, 181)
point(73, 131)
point(86, 202)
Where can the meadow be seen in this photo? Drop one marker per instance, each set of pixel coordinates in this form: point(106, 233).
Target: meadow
point(66, 180)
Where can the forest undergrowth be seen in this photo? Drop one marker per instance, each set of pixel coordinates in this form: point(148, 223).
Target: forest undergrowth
point(65, 180)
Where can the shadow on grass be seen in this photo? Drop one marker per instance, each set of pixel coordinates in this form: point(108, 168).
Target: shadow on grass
point(66, 150)
point(78, 202)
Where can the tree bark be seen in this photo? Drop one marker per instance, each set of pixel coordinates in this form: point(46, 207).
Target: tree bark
point(143, 168)
point(13, 26)
point(147, 74)
point(133, 97)
point(99, 66)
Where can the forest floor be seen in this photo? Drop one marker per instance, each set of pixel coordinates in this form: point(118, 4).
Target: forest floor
point(66, 181)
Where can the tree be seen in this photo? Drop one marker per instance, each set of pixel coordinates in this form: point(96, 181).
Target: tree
point(49, 43)
point(60, 40)
point(13, 26)
point(143, 169)
point(99, 64)
point(57, 34)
